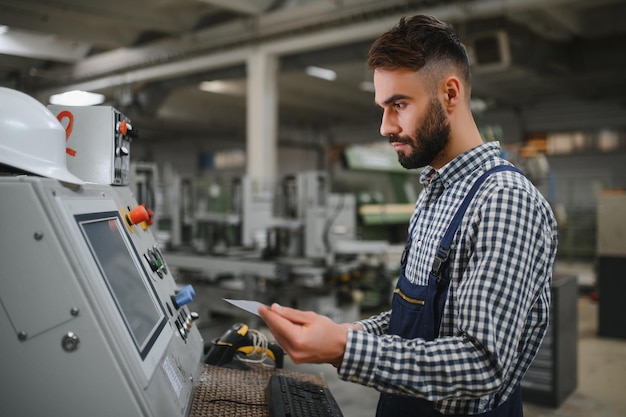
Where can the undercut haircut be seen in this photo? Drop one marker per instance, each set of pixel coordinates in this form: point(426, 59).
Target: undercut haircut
point(421, 42)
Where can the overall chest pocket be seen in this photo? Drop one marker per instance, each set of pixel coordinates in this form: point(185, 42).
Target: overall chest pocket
point(409, 311)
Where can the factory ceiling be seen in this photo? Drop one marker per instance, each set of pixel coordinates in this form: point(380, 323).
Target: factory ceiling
point(149, 57)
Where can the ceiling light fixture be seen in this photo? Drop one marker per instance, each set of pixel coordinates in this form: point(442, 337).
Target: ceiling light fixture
point(213, 86)
point(233, 88)
point(77, 98)
point(322, 73)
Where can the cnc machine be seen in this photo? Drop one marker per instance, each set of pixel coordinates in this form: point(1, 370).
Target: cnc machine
point(92, 322)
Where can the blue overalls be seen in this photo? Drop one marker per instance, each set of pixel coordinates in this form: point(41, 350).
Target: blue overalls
point(416, 312)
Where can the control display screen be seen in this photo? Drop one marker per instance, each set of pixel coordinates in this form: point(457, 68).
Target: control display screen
point(125, 277)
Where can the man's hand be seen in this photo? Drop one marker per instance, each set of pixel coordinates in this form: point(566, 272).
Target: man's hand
point(307, 337)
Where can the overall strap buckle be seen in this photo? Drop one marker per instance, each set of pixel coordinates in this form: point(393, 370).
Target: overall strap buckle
point(440, 258)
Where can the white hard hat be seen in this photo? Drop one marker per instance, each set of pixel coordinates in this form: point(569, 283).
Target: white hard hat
point(31, 138)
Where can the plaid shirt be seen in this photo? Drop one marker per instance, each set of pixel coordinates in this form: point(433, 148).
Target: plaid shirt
point(498, 303)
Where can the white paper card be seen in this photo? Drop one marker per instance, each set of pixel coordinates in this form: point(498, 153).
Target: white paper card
point(248, 305)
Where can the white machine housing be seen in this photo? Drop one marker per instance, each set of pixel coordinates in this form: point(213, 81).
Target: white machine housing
point(89, 321)
point(98, 142)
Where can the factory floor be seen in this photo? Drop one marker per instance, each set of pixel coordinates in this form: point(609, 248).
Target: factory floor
point(601, 389)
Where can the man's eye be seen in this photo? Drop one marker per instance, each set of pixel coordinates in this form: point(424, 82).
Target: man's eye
point(399, 106)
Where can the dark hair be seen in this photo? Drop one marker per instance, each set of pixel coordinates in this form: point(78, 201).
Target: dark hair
point(419, 41)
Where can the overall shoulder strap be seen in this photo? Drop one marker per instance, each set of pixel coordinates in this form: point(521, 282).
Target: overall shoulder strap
point(444, 246)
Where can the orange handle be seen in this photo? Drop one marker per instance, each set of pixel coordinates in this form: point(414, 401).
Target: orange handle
point(68, 129)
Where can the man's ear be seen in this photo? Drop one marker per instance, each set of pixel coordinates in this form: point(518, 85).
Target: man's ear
point(452, 90)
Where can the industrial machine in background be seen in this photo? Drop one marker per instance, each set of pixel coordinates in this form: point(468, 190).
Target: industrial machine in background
point(294, 242)
point(93, 321)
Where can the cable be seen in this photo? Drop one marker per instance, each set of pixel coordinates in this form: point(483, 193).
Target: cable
point(259, 344)
point(225, 400)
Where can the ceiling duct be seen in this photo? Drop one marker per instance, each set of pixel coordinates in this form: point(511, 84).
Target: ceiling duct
point(489, 51)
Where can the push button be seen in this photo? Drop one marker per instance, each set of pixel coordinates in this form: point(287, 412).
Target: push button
point(183, 296)
point(140, 215)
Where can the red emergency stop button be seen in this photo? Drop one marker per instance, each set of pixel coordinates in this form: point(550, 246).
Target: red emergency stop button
point(139, 215)
point(122, 127)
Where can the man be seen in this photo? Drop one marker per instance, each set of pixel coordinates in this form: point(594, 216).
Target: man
point(467, 356)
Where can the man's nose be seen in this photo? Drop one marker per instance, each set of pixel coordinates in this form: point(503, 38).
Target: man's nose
point(388, 125)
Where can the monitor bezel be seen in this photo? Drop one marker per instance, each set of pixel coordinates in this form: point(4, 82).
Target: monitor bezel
point(143, 347)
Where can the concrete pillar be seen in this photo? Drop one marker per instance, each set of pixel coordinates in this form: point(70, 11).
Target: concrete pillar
point(262, 118)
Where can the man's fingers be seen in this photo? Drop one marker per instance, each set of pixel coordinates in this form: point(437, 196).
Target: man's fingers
point(293, 315)
point(305, 335)
point(262, 309)
point(277, 323)
point(281, 328)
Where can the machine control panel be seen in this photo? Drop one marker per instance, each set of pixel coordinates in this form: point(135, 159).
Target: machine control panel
point(91, 298)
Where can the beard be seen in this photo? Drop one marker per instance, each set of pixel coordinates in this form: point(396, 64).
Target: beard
point(431, 137)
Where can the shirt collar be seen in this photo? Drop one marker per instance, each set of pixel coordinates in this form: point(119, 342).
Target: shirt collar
point(461, 166)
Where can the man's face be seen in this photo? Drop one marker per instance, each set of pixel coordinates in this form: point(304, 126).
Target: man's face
point(413, 118)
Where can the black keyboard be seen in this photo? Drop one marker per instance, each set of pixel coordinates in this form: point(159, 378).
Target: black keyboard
point(291, 397)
